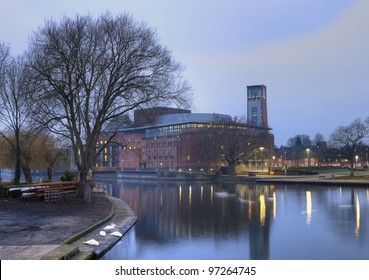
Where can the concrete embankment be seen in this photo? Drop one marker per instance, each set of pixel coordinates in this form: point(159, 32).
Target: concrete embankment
point(74, 247)
point(313, 180)
point(123, 217)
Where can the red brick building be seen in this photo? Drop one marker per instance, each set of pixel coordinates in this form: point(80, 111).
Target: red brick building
point(169, 139)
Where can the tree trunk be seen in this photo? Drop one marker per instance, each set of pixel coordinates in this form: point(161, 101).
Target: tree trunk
point(87, 194)
point(17, 171)
point(27, 173)
point(232, 168)
point(352, 169)
point(50, 173)
point(86, 186)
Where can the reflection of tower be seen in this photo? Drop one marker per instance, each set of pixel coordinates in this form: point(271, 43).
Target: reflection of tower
point(257, 113)
point(259, 230)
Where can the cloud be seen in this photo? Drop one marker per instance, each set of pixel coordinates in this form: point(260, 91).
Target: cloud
point(311, 56)
point(315, 82)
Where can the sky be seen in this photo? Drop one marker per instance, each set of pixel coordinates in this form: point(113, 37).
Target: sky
point(311, 54)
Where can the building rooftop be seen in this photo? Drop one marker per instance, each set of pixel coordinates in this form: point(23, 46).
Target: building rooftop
point(175, 119)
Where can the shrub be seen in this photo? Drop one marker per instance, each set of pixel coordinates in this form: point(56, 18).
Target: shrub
point(68, 176)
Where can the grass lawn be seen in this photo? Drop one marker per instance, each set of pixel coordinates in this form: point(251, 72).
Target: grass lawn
point(356, 177)
point(345, 174)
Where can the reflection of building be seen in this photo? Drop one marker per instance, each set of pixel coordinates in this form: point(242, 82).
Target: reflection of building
point(261, 207)
point(171, 211)
point(169, 139)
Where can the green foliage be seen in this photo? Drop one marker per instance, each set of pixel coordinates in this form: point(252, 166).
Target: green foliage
point(68, 176)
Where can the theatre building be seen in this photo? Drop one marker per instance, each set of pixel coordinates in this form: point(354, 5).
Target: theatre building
point(170, 139)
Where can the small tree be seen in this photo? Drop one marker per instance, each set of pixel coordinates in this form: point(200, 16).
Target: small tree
point(13, 104)
point(233, 141)
point(88, 71)
point(347, 140)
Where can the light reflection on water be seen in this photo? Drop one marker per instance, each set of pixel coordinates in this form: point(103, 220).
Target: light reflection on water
point(240, 221)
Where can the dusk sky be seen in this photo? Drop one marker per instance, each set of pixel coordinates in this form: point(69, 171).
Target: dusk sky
point(312, 55)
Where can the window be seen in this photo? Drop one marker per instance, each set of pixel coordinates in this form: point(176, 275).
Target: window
point(254, 111)
point(254, 115)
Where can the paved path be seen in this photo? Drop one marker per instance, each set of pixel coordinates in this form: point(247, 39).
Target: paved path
point(74, 248)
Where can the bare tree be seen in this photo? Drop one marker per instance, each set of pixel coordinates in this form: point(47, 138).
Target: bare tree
point(300, 140)
point(319, 138)
point(4, 56)
point(13, 104)
point(88, 71)
point(347, 140)
point(233, 142)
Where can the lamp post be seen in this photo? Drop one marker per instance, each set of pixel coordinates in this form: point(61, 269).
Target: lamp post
point(273, 164)
point(262, 159)
point(285, 162)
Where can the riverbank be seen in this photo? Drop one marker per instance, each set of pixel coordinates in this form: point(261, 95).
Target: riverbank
point(38, 230)
point(321, 180)
point(325, 179)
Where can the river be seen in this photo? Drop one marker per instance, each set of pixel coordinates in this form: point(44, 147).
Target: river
point(236, 221)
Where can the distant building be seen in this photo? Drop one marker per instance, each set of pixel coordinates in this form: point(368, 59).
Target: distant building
point(257, 113)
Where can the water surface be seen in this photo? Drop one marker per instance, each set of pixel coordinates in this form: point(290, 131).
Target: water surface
point(240, 221)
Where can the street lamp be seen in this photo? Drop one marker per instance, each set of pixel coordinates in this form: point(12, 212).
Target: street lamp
point(273, 164)
point(262, 159)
